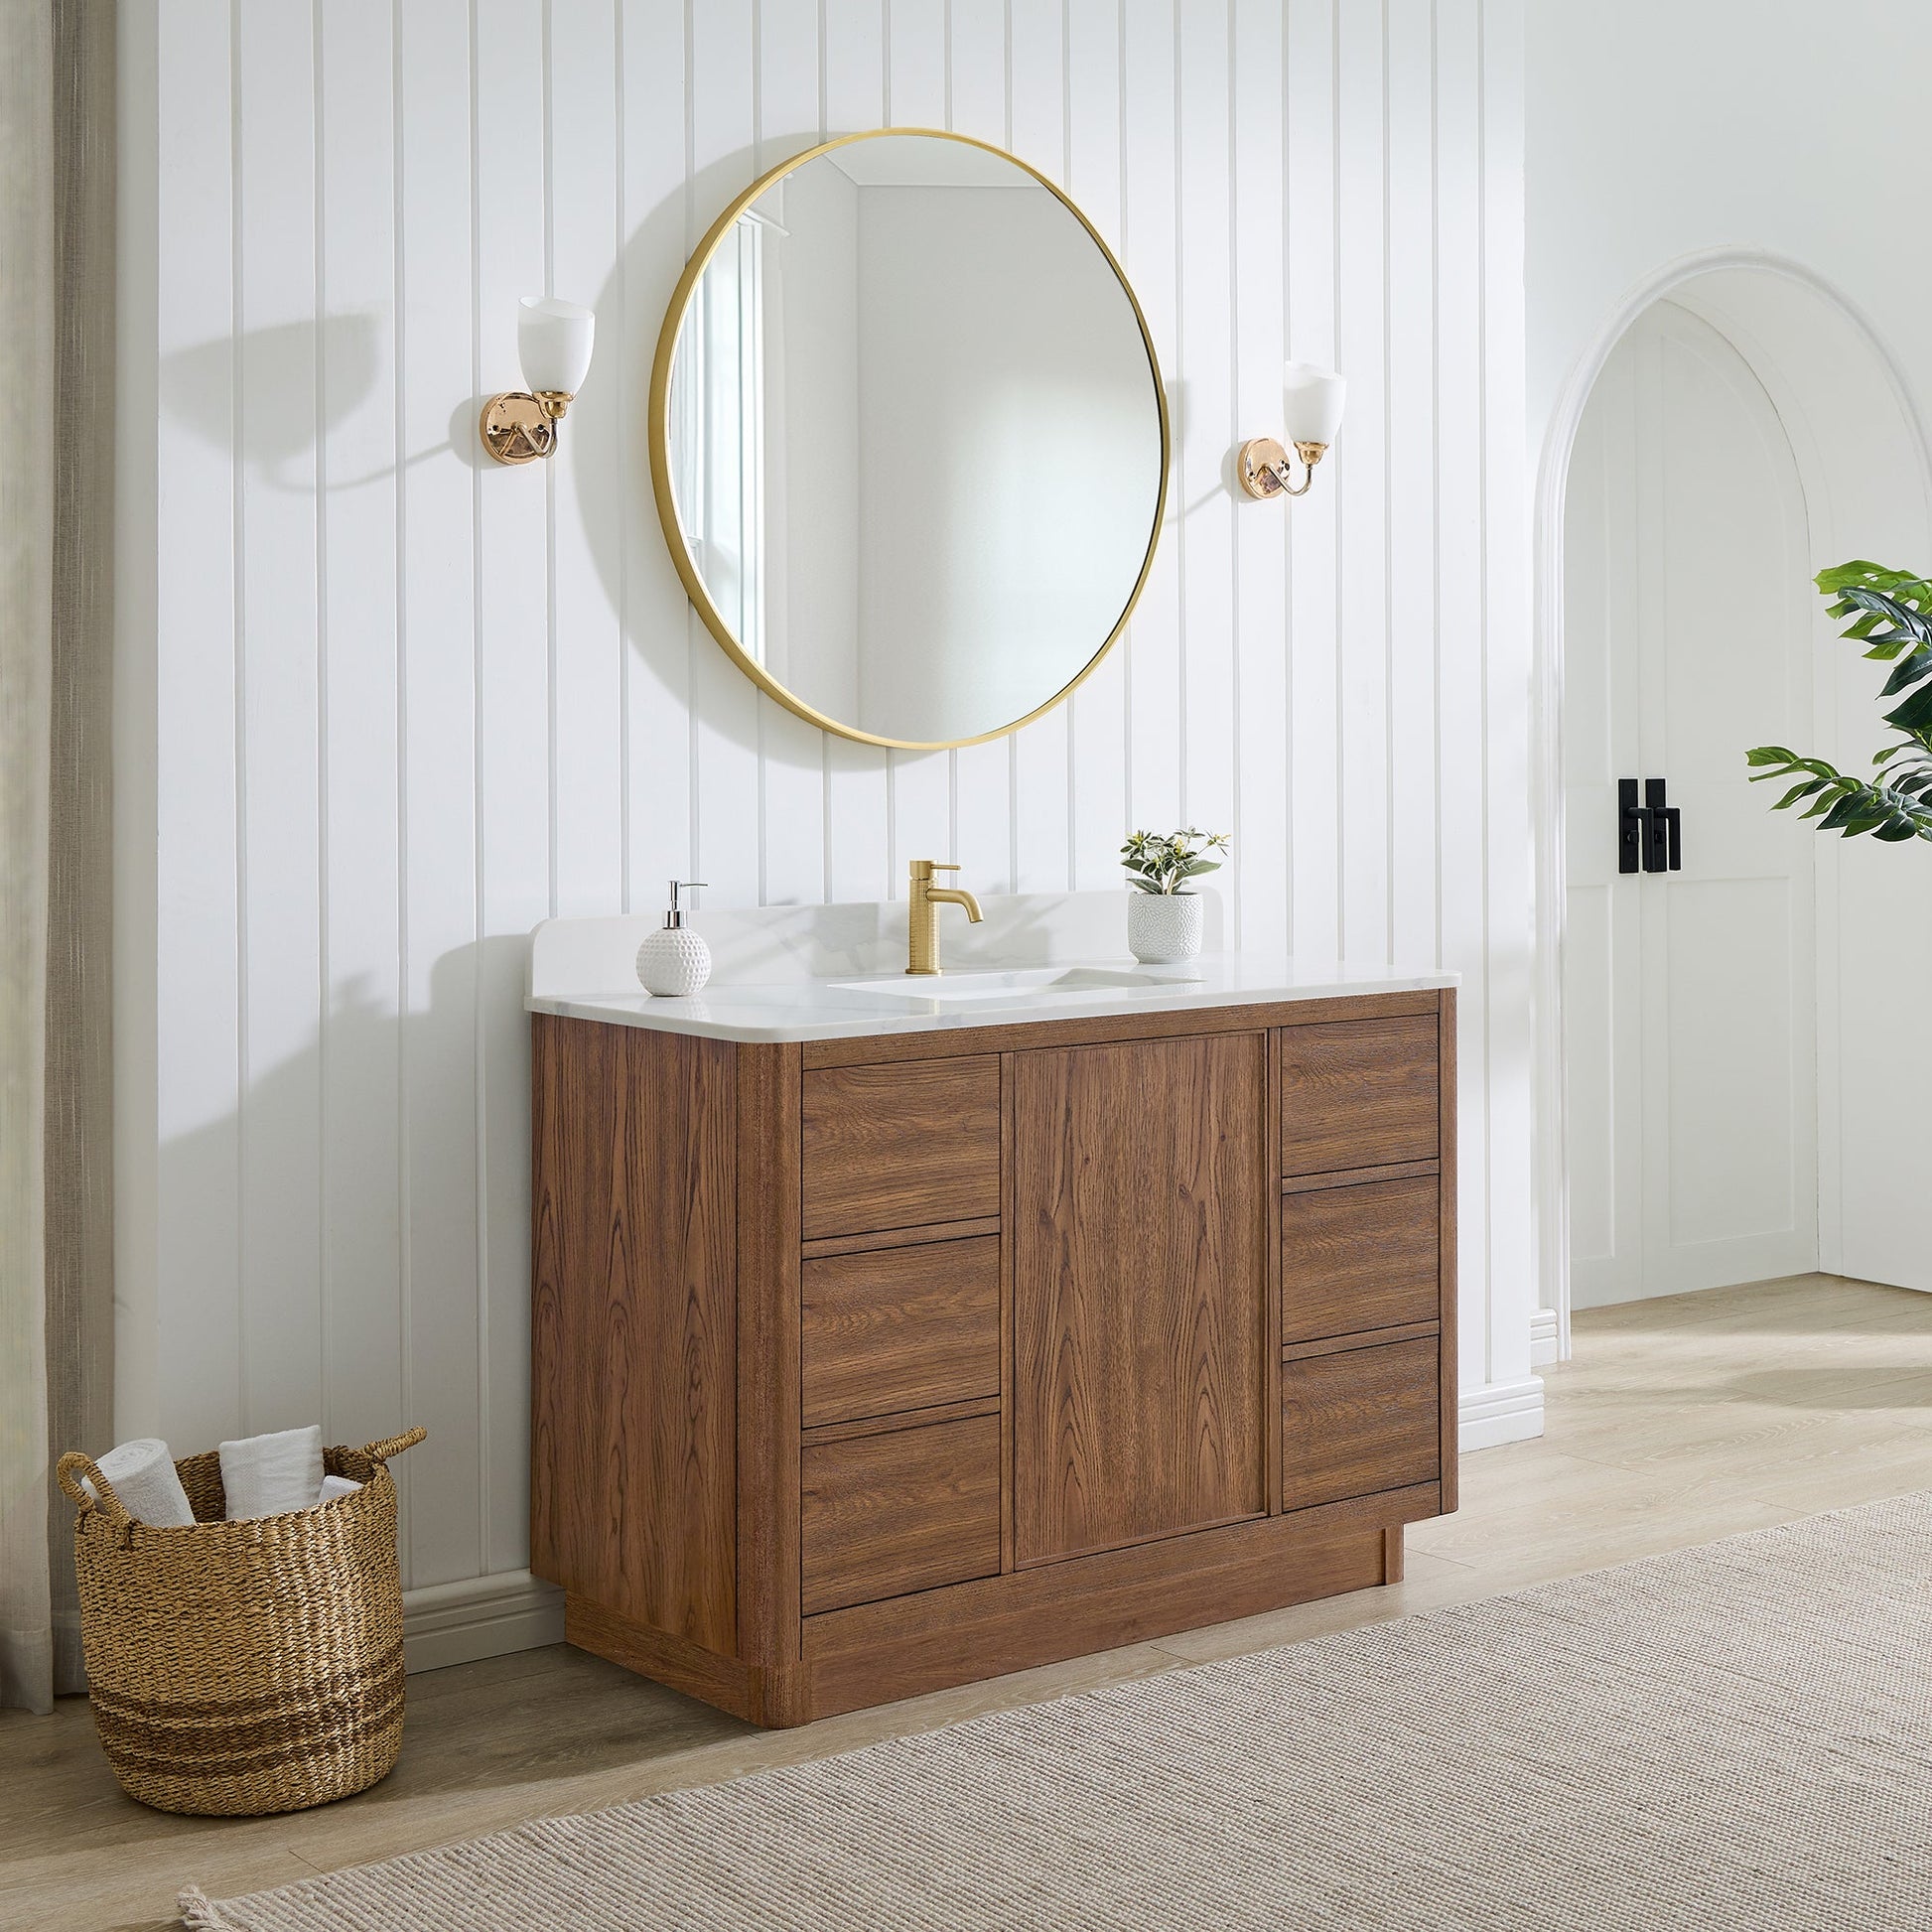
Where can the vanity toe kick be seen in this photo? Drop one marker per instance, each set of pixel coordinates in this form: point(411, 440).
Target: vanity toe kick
point(872, 1365)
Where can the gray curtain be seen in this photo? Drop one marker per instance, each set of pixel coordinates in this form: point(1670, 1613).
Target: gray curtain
point(57, 357)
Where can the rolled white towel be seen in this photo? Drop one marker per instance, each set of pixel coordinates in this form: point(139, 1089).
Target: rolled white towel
point(334, 1488)
point(143, 1475)
point(269, 1475)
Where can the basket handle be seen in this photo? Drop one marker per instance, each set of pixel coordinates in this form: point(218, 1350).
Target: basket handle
point(69, 1471)
point(393, 1444)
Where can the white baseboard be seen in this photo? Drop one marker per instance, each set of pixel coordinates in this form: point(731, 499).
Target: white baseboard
point(1544, 1347)
point(480, 1617)
point(1501, 1412)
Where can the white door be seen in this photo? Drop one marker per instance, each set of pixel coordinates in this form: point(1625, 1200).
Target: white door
point(1689, 1002)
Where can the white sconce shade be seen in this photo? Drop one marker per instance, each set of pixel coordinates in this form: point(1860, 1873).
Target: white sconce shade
point(553, 341)
point(1313, 399)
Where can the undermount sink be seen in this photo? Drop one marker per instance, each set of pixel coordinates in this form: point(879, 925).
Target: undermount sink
point(1018, 983)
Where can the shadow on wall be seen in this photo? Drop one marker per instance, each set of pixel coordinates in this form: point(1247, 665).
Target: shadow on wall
point(285, 388)
point(399, 1182)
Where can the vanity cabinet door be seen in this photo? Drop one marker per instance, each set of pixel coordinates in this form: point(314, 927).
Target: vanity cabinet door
point(1141, 1183)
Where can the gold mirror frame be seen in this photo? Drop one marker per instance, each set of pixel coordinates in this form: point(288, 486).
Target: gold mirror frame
point(660, 444)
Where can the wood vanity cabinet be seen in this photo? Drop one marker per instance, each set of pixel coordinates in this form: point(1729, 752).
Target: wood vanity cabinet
point(864, 1366)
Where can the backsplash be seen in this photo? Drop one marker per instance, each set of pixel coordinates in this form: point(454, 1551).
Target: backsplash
point(389, 706)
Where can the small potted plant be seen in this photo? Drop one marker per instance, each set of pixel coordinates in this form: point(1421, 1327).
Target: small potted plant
point(1163, 913)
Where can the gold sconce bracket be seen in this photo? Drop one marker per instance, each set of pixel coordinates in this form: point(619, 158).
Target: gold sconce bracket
point(1265, 475)
point(521, 426)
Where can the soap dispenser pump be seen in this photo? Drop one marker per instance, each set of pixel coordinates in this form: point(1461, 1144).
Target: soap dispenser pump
point(674, 960)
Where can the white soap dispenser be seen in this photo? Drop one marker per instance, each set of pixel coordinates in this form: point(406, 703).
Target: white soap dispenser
point(674, 960)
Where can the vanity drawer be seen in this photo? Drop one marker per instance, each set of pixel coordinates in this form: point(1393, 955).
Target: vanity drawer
point(910, 1509)
point(900, 1146)
point(901, 1328)
point(1358, 1093)
point(1359, 1421)
point(1363, 1256)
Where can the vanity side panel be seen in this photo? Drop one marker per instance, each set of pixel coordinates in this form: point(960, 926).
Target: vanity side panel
point(1449, 1374)
point(770, 1214)
point(635, 1324)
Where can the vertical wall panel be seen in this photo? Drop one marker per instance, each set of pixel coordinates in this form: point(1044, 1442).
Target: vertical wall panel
point(984, 776)
point(1459, 619)
point(1204, 431)
point(791, 752)
point(1259, 530)
point(859, 802)
point(1097, 740)
point(196, 999)
point(1360, 482)
point(656, 664)
point(523, 795)
point(280, 848)
point(1035, 112)
point(408, 701)
point(1156, 701)
point(441, 911)
point(724, 702)
point(1315, 645)
point(1411, 512)
point(357, 472)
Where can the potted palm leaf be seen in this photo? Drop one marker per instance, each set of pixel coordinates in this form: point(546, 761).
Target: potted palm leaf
point(1890, 612)
point(1163, 913)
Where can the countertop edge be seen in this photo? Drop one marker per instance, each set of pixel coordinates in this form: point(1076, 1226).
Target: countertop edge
point(682, 1016)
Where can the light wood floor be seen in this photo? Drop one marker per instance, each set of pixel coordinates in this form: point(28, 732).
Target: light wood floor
point(1680, 1420)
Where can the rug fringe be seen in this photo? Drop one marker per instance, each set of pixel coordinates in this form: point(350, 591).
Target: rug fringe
point(198, 1913)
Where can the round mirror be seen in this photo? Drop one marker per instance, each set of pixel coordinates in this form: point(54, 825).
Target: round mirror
point(909, 439)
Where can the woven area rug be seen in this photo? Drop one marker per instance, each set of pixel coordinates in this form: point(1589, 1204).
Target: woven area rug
point(1732, 1737)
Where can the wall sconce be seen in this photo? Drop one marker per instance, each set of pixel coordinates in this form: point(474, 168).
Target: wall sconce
point(1312, 413)
point(553, 342)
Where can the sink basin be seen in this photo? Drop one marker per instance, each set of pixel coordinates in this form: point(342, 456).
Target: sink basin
point(1018, 983)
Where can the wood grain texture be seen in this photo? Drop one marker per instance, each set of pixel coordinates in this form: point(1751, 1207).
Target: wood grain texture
point(768, 1365)
point(883, 1515)
point(879, 1049)
point(1359, 1422)
point(1271, 1394)
point(688, 1666)
point(1359, 1093)
point(878, 1238)
point(902, 1146)
point(1140, 1291)
point(847, 1432)
point(1449, 1369)
point(1359, 1257)
point(1297, 1184)
point(1339, 1344)
point(872, 1653)
point(901, 1328)
point(1392, 1554)
point(633, 1323)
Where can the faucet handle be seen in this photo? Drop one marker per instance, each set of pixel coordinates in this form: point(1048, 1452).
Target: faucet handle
point(925, 868)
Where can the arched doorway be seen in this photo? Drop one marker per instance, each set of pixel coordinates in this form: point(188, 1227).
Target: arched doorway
point(1758, 338)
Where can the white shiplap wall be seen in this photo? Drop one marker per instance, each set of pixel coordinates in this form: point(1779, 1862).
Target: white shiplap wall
point(384, 707)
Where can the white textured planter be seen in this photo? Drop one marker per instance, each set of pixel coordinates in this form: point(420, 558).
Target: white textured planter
point(1164, 926)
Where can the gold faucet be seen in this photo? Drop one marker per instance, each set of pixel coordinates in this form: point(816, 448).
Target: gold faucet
point(922, 914)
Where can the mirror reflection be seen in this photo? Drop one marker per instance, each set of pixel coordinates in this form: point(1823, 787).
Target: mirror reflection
point(914, 440)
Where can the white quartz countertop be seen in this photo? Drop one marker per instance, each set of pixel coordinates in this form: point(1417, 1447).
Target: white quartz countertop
point(984, 995)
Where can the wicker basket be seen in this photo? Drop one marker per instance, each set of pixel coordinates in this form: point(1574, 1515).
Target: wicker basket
point(244, 1668)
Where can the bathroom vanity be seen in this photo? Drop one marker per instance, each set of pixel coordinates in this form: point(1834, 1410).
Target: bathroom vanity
point(884, 1340)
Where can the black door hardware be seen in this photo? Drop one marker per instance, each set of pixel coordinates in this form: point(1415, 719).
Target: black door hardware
point(1650, 836)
